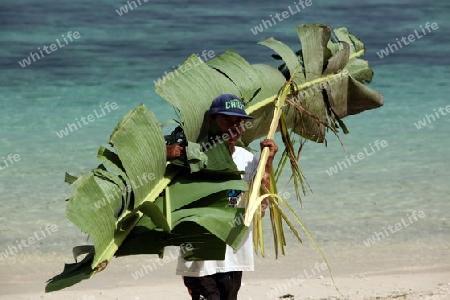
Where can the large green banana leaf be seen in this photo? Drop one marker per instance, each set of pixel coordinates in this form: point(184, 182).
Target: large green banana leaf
point(329, 76)
point(193, 92)
point(147, 213)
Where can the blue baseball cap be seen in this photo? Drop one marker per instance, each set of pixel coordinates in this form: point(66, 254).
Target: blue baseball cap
point(229, 105)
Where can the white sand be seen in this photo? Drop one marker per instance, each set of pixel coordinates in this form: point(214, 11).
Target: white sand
point(389, 272)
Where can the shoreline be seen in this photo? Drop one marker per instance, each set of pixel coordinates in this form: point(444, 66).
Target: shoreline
point(401, 284)
point(388, 272)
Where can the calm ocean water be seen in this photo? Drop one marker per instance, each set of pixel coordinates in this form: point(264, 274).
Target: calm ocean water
point(117, 58)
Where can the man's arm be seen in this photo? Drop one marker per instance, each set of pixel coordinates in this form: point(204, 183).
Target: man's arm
point(265, 182)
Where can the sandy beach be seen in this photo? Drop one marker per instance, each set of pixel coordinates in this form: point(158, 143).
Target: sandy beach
point(380, 214)
point(385, 272)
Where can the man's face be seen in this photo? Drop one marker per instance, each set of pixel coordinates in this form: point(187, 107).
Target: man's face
point(231, 125)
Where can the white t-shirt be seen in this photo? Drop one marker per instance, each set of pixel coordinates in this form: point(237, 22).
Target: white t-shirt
point(235, 260)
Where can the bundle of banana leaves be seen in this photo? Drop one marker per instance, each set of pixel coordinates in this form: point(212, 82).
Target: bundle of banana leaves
point(135, 202)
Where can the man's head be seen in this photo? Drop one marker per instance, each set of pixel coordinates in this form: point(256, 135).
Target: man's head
point(228, 105)
point(228, 112)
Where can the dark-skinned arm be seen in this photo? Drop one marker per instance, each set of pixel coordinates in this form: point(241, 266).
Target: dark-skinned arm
point(265, 182)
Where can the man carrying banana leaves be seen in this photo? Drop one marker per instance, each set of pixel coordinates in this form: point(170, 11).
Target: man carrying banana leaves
point(221, 279)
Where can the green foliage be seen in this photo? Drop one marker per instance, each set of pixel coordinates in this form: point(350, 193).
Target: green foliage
point(134, 202)
point(125, 216)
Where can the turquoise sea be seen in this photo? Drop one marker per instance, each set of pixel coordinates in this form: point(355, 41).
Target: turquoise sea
point(116, 59)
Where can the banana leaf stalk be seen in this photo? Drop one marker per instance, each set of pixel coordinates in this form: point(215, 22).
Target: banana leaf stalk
point(255, 201)
point(276, 222)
